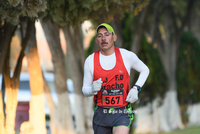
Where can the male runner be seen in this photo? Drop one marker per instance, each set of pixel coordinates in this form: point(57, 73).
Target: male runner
point(107, 78)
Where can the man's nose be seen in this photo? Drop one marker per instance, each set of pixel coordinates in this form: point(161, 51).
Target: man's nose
point(103, 37)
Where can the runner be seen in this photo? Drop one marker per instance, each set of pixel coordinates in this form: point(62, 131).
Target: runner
point(107, 78)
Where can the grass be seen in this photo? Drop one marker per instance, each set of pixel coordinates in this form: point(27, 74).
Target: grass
point(188, 130)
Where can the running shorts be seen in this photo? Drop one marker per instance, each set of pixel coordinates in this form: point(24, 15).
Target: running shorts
point(106, 118)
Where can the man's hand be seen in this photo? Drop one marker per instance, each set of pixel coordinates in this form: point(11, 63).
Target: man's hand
point(96, 86)
point(132, 95)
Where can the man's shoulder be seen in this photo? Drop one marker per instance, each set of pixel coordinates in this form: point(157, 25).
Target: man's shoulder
point(125, 51)
point(127, 54)
point(90, 57)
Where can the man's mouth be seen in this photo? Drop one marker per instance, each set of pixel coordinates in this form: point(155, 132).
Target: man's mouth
point(104, 43)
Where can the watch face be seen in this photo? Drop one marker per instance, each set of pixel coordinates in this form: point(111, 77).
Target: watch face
point(138, 88)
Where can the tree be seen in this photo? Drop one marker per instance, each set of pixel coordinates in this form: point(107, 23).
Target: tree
point(12, 84)
point(166, 32)
point(154, 86)
point(188, 77)
point(6, 34)
point(36, 119)
point(75, 62)
point(11, 12)
point(193, 27)
point(63, 114)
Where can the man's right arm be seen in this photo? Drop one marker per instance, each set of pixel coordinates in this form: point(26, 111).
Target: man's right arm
point(90, 87)
point(88, 78)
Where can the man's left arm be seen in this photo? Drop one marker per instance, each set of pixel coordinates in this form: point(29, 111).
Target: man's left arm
point(143, 70)
point(140, 67)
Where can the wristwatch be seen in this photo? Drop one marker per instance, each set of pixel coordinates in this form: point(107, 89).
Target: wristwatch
point(138, 88)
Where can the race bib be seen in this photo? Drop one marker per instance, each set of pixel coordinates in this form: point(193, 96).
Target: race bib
point(112, 98)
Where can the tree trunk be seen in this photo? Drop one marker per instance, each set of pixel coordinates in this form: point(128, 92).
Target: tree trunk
point(117, 26)
point(193, 110)
point(36, 111)
point(11, 105)
point(89, 112)
point(5, 39)
point(2, 118)
point(136, 43)
point(52, 107)
point(194, 114)
point(135, 47)
point(7, 32)
point(11, 87)
point(64, 115)
point(144, 119)
point(75, 61)
point(194, 24)
point(171, 119)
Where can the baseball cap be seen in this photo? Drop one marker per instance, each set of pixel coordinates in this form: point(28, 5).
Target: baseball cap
point(108, 27)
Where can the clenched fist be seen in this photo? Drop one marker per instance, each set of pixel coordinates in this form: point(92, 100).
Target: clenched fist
point(96, 86)
point(132, 95)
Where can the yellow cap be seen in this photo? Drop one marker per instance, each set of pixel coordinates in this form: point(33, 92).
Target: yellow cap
point(108, 27)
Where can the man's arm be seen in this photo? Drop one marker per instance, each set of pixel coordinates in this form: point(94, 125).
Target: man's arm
point(90, 87)
point(87, 79)
point(143, 70)
point(140, 67)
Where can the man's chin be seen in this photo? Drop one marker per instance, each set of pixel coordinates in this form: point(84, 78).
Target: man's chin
point(104, 46)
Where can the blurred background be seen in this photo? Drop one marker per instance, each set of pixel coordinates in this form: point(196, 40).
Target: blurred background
point(43, 46)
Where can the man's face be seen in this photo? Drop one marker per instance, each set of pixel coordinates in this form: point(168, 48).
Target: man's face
point(105, 39)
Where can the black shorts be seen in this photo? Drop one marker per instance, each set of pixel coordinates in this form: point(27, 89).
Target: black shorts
point(106, 118)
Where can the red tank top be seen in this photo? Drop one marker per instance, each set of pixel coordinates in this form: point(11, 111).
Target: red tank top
point(116, 83)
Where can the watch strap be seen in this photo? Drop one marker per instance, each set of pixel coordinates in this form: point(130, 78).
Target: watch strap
point(138, 88)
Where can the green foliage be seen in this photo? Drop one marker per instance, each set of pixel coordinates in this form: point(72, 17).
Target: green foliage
point(74, 12)
point(156, 84)
point(11, 10)
point(188, 73)
point(128, 24)
point(131, 22)
point(179, 6)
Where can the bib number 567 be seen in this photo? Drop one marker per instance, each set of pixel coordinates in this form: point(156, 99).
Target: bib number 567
point(112, 100)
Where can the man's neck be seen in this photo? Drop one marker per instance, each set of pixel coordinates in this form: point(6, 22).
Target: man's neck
point(108, 52)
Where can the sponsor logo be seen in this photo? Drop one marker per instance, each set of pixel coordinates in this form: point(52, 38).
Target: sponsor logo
point(105, 92)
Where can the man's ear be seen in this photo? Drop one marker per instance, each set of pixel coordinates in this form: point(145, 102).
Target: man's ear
point(115, 37)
